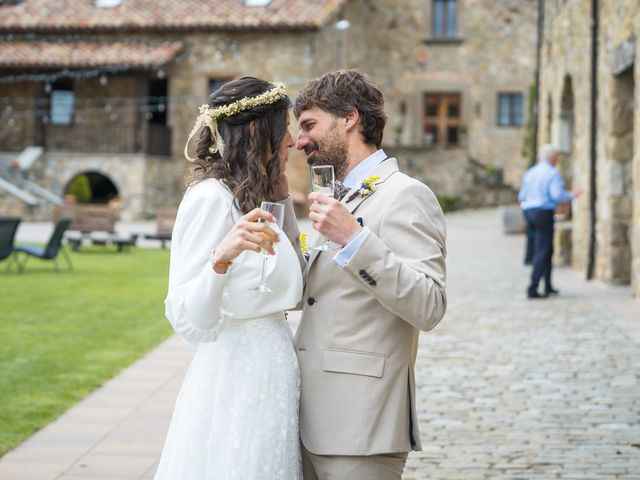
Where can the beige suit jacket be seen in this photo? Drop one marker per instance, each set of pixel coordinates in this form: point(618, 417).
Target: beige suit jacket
point(358, 337)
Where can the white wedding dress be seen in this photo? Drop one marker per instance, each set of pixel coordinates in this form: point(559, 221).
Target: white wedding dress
point(236, 416)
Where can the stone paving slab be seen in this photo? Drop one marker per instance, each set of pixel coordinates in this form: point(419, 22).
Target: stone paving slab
point(514, 388)
point(508, 388)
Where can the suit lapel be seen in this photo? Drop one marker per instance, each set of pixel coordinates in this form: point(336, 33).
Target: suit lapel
point(384, 170)
point(353, 199)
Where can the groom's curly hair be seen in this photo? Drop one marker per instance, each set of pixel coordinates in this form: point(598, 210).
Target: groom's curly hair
point(343, 91)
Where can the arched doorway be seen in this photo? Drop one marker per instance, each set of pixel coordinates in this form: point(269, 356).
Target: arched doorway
point(620, 181)
point(563, 139)
point(92, 187)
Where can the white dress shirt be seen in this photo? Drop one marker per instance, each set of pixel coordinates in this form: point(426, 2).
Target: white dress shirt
point(356, 176)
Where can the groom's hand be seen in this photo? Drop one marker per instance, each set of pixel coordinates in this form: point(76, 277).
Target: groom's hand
point(332, 219)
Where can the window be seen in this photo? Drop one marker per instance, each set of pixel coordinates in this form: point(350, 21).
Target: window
point(510, 110)
point(107, 3)
point(256, 3)
point(216, 83)
point(444, 18)
point(63, 101)
point(158, 98)
point(441, 120)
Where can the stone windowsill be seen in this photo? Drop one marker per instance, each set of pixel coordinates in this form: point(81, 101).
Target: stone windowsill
point(443, 40)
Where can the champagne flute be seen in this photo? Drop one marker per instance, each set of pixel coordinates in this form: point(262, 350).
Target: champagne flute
point(323, 181)
point(277, 211)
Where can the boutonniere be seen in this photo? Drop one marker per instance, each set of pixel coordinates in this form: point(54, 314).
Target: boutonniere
point(304, 246)
point(367, 186)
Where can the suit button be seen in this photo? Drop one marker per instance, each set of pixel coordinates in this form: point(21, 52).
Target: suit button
point(311, 301)
point(363, 273)
point(373, 283)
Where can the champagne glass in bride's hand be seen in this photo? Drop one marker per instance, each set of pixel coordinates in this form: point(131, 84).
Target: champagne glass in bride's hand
point(323, 181)
point(277, 211)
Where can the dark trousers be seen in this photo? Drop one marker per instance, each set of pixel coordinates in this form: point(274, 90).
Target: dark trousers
point(528, 254)
point(542, 223)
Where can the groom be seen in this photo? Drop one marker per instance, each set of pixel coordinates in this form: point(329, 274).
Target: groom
point(365, 302)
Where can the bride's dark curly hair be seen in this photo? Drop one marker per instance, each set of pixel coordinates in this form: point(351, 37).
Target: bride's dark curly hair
point(250, 165)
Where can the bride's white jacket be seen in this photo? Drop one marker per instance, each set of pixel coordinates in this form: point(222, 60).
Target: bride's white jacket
point(200, 302)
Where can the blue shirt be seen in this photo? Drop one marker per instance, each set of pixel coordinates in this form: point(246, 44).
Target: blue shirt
point(354, 177)
point(543, 188)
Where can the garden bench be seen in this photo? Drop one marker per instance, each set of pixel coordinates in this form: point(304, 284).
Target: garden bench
point(87, 218)
point(165, 218)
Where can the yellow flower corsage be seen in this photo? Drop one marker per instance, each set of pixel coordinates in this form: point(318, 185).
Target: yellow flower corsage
point(304, 246)
point(367, 186)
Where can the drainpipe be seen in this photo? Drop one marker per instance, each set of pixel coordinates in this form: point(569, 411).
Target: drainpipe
point(593, 139)
point(536, 105)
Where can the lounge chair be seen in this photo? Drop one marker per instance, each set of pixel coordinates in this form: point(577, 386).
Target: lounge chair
point(50, 251)
point(8, 229)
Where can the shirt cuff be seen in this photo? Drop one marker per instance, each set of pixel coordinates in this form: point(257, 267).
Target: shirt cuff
point(343, 257)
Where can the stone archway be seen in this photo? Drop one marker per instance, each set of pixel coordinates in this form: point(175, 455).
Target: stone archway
point(619, 187)
point(94, 187)
point(564, 141)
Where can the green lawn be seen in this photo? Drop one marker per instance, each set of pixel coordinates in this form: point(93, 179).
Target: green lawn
point(62, 335)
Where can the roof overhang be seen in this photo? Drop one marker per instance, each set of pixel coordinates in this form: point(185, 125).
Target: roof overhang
point(43, 55)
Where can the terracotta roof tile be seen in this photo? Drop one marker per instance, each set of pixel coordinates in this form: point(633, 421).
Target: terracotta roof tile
point(82, 15)
point(86, 54)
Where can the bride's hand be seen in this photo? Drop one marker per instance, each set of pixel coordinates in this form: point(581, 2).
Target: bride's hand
point(248, 234)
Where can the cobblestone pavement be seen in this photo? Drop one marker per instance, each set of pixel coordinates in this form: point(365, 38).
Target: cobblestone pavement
point(511, 388)
point(508, 388)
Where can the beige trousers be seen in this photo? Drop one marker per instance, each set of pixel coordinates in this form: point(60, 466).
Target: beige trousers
point(342, 467)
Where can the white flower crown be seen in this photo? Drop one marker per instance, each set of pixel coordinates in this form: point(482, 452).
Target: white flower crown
point(209, 115)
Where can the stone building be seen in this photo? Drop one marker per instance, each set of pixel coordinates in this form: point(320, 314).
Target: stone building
point(111, 87)
point(605, 150)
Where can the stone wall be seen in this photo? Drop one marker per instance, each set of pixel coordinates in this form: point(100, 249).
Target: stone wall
point(386, 38)
point(143, 182)
point(104, 119)
point(565, 121)
point(287, 57)
point(455, 179)
point(494, 52)
point(390, 39)
point(17, 122)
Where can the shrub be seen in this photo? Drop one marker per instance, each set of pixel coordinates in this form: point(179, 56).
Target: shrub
point(449, 203)
point(80, 187)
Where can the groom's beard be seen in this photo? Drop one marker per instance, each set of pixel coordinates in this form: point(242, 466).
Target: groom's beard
point(333, 152)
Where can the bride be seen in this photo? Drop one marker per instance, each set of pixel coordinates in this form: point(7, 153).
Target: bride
point(236, 416)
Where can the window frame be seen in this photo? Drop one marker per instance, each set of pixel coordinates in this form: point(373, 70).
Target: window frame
point(442, 121)
point(512, 122)
point(444, 23)
point(67, 112)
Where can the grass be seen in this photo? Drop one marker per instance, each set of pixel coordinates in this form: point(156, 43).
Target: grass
point(62, 335)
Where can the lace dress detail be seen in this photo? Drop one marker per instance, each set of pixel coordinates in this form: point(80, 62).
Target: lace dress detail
point(236, 416)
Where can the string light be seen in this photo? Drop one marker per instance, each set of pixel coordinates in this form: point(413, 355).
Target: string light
point(13, 109)
point(79, 115)
point(55, 76)
point(16, 101)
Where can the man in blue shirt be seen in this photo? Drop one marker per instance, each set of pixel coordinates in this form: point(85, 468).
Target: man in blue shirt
point(542, 190)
